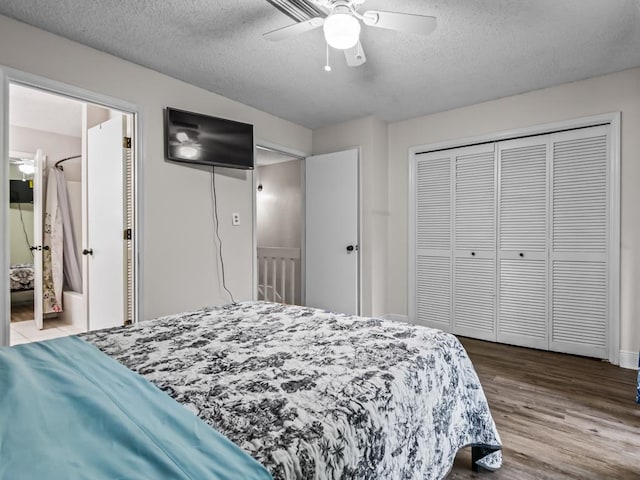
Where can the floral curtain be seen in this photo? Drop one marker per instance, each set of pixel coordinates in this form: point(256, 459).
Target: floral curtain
point(52, 257)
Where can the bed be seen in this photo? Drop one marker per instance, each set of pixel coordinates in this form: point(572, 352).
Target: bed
point(67, 411)
point(317, 395)
point(21, 277)
point(291, 393)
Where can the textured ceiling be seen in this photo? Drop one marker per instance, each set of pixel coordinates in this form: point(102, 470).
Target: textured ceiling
point(481, 50)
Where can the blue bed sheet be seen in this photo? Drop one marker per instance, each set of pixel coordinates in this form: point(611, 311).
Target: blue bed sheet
point(67, 411)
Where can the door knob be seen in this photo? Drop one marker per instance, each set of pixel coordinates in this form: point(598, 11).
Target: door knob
point(87, 252)
point(351, 248)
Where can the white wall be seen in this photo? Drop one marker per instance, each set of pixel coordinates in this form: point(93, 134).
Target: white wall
point(178, 252)
point(615, 92)
point(18, 247)
point(279, 212)
point(279, 205)
point(54, 145)
point(370, 134)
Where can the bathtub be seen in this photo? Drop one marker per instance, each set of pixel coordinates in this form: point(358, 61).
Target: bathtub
point(74, 310)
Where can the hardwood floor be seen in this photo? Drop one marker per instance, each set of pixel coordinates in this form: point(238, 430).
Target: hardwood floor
point(21, 312)
point(559, 416)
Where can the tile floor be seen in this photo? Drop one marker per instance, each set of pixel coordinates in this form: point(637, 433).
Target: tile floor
point(27, 332)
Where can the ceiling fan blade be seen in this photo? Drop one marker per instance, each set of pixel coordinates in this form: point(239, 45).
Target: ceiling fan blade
point(295, 29)
point(355, 56)
point(403, 22)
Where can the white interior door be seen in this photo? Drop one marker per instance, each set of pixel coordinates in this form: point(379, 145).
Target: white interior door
point(105, 246)
point(579, 242)
point(39, 162)
point(332, 251)
point(474, 290)
point(522, 237)
point(433, 276)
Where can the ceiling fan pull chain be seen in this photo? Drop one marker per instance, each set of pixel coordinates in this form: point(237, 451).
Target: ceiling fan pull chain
point(327, 67)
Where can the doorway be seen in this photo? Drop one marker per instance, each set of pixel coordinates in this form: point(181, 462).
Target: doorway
point(308, 229)
point(279, 226)
point(71, 214)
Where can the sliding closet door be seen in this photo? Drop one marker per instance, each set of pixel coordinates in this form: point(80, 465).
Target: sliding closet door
point(579, 283)
point(433, 180)
point(475, 242)
point(515, 245)
point(522, 242)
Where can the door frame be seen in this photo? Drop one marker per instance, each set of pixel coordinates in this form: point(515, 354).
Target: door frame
point(12, 76)
point(303, 156)
point(295, 154)
point(612, 119)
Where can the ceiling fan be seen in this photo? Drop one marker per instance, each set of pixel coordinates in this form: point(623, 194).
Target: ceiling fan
point(341, 23)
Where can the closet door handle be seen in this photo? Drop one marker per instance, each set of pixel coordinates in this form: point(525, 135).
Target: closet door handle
point(87, 252)
point(521, 254)
point(473, 254)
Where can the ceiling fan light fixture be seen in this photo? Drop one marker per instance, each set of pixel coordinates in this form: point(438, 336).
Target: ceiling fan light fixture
point(27, 168)
point(341, 30)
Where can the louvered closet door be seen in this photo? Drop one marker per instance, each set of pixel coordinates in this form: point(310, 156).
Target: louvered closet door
point(579, 231)
point(433, 176)
point(475, 242)
point(522, 242)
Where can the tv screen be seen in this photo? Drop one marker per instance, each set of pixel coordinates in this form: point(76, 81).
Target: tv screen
point(20, 191)
point(202, 139)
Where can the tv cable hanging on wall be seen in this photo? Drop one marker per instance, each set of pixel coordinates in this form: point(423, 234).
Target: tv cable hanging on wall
point(214, 200)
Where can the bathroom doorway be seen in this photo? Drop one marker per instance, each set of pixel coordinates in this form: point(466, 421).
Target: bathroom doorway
point(71, 215)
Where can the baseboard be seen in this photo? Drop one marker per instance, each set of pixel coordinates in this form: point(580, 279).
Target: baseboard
point(629, 359)
point(395, 317)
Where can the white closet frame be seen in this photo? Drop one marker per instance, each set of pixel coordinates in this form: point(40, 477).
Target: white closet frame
point(613, 121)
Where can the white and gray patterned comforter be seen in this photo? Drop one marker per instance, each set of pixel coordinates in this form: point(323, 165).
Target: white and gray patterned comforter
point(317, 395)
point(21, 277)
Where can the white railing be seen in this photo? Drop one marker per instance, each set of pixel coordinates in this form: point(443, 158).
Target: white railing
point(277, 274)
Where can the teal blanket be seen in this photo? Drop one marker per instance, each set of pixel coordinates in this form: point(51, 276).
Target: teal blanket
point(67, 411)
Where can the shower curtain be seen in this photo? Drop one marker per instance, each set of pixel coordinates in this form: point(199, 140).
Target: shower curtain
point(61, 262)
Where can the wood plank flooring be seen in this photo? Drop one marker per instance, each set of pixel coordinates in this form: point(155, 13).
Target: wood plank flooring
point(559, 416)
point(21, 312)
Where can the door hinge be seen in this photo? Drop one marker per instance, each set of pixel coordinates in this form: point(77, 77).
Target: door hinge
point(128, 234)
point(126, 142)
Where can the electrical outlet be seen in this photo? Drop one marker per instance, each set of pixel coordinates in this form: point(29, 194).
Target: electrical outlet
point(235, 219)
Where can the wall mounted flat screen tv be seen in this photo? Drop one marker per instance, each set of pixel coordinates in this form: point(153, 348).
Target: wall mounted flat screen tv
point(205, 140)
point(20, 191)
